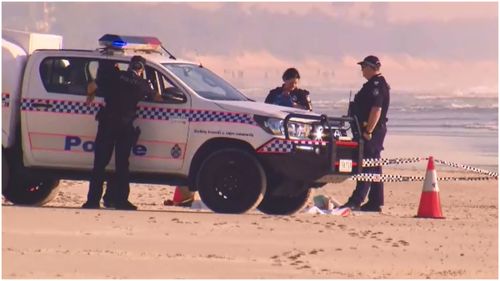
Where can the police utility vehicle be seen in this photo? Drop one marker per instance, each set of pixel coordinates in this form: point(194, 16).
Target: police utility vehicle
point(237, 153)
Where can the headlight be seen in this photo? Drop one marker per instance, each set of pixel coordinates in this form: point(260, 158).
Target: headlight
point(276, 126)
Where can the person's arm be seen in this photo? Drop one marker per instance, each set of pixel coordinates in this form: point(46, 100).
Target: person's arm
point(307, 102)
point(269, 98)
point(150, 93)
point(91, 90)
point(379, 94)
point(157, 98)
point(373, 118)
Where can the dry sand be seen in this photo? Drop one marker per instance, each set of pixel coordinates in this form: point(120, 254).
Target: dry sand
point(60, 240)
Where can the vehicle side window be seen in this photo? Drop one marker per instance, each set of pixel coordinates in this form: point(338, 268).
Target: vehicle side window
point(163, 86)
point(67, 75)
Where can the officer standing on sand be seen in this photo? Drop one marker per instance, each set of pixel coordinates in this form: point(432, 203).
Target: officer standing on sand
point(289, 94)
point(123, 90)
point(370, 106)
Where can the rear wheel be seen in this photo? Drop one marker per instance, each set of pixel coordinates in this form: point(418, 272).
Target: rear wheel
point(231, 181)
point(27, 189)
point(19, 186)
point(284, 204)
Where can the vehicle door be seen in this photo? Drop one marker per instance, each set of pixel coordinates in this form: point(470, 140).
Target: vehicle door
point(163, 123)
point(57, 126)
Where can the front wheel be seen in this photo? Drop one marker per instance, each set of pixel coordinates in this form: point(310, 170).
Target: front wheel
point(231, 181)
point(284, 204)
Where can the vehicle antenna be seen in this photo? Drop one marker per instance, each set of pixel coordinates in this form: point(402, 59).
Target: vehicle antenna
point(170, 55)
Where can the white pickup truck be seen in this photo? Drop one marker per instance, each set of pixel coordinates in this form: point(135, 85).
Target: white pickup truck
point(237, 153)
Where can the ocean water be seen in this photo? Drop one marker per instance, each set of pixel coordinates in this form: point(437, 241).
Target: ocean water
point(431, 115)
point(468, 122)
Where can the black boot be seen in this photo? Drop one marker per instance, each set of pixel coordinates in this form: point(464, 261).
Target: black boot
point(91, 205)
point(370, 207)
point(125, 205)
point(351, 205)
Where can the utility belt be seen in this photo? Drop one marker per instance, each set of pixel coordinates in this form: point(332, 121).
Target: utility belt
point(104, 115)
point(119, 119)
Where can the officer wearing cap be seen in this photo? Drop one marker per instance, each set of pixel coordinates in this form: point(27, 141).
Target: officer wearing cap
point(122, 92)
point(370, 106)
point(289, 94)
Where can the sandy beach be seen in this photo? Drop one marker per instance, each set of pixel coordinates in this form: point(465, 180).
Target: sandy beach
point(60, 240)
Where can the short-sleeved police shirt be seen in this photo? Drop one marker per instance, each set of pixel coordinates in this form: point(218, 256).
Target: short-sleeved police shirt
point(123, 91)
point(374, 93)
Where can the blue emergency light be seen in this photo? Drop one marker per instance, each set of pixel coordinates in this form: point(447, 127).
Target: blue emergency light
point(137, 43)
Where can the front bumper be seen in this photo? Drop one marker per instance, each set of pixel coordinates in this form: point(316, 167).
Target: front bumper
point(333, 159)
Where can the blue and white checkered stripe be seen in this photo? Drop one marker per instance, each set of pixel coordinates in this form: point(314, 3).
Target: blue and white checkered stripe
point(148, 113)
point(27, 104)
point(217, 116)
point(156, 113)
point(73, 107)
point(277, 146)
point(5, 100)
point(286, 146)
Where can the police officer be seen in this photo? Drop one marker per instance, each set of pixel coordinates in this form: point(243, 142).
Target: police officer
point(370, 107)
point(289, 94)
point(122, 92)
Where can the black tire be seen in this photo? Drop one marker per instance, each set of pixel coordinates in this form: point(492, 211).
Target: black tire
point(283, 204)
point(231, 181)
point(32, 192)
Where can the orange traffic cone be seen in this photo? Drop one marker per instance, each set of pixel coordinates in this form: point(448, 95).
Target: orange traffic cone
point(178, 196)
point(182, 197)
point(430, 204)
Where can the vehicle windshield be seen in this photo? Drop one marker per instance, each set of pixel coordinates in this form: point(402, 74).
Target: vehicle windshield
point(204, 82)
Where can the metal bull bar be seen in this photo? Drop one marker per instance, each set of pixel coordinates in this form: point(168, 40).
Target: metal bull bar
point(328, 124)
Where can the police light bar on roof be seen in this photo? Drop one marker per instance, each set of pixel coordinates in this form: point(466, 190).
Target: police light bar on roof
point(137, 43)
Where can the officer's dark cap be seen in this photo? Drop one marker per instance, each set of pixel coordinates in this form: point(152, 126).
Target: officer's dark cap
point(137, 62)
point(371, 61)
point(291, 73)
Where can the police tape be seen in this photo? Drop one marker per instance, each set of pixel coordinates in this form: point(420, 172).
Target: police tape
point(371, 162)
point(400, 178)
point(467, 168)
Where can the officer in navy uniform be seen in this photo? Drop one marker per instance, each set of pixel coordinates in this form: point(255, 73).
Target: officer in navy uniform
point(288, 94)
point(370, 107)
point(122, 90)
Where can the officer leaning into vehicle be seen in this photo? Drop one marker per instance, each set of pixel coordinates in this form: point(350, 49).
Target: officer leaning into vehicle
point(122, 90)
point(370, 106)
point(289, 94)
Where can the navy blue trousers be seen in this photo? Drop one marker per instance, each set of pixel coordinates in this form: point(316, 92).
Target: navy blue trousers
point(375, 190)
point(120, 139)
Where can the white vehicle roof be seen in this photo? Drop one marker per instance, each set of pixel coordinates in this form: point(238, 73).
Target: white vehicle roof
point(157, 58)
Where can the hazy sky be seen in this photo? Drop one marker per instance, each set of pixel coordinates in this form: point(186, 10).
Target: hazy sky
point(429, 48)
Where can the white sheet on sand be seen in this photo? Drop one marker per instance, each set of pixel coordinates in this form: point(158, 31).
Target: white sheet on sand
point(199, 205)
point(344, 212)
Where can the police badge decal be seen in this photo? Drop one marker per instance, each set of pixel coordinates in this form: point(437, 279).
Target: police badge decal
point(176, 151)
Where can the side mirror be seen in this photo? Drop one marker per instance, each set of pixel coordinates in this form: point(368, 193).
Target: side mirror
point(174, 95)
